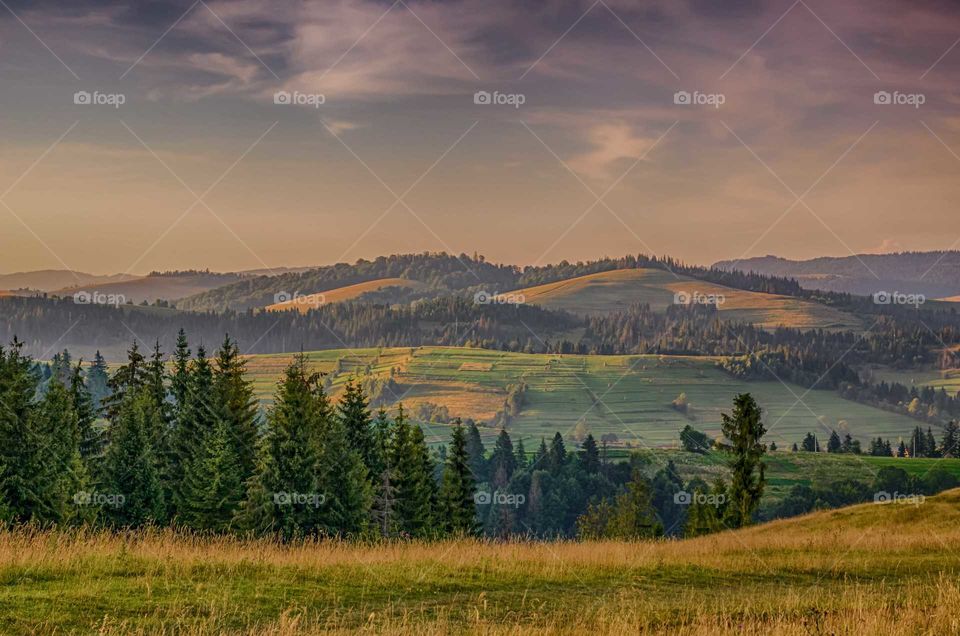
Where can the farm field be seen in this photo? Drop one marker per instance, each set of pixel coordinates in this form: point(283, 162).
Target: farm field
point(628, 396)
point(948, 379)
point(305, 303)
point(616, 290)
point(869, 569)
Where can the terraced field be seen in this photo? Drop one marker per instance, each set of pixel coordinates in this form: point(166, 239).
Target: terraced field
point(616, 290)
point(629, 396)
point(303, 304)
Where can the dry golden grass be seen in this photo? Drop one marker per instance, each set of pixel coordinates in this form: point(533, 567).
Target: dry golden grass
point(307, 302)
point(870, 569)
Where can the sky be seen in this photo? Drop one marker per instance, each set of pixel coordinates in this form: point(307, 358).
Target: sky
point(238, 134)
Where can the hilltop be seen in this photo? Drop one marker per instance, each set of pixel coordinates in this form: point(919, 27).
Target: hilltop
point(935, 274)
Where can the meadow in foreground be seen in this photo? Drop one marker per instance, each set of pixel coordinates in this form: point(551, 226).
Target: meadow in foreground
point(871, 568)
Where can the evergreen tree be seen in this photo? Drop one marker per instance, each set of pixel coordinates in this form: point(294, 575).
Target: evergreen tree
point(412, 472)
point(342, 482)
point(590, 456)
point(522, 461)
point(457, 488)
point(834, 444)
point(557, 455)
point(130, 477)
point(951, 438)
point(96, 381)
point(58, 472)
point(237, 406)
point(284, 496)
point(89, 442)
point(126, 380)
point(503, 462)
point(476, 452)
point(180, 376)
point(744, 429)
point(19, 455)
point(354, 414)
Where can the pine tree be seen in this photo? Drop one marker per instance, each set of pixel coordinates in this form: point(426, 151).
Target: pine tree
point(457, 488)
point(219, 484)
point(130, 476)
point(476, 453)
point(354, 414)
point(180, 377)
point(951, 439)
point(19, 457)
point(342, 481)
point(590, 456)
point(557, 456)
point(193, 432)
point(744, 429)
point(284, 497)
point(502, 460)
point(58, 472)
point(96, 380)
point(522, 462)
point(89, 440)
point(238, 408)
point(126, 380)
point(834, 444)
point(412, 471)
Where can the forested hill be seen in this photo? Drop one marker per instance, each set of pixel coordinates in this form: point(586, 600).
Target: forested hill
point(935, 274)
point(444, 273)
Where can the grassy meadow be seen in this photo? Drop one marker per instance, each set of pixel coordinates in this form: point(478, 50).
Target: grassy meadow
point(868, 569)
point(629, 396)
point(616, 290)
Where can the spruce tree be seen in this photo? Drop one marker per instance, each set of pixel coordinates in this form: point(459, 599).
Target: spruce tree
point(590, 456)
point(412, 475)
point(457, 489)
point(89, 440)
point(131, 480)
point(96, 381)
point(744, 429)
point(521, 456)
point(557, 456)
point(237, 406)
point(342, 481)
point(180, 375)
point(503, 462)
point(58, 473)
point(19, 457)
point(476, 452)
point(126, 380)
point(283, 498)
point(354, 414)
point(951, 439)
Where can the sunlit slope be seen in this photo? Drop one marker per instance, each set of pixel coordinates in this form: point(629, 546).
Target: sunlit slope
point(629, 396)
point(618, 289)
point(341, 294)
point(867, 569)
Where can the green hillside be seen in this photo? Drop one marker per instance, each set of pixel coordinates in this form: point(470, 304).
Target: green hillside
point(629, 396)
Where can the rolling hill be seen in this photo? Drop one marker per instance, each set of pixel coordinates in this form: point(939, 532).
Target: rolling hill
point(170, 287)
point(627, 396)
point(48, 280)
point(618, 289)
point(381, 287)
point(935, 274)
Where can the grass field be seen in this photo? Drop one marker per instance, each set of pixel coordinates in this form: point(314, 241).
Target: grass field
point(868, 569)
point(305, 303)
point(629, 396)
point(948, 379)
point(617, 290)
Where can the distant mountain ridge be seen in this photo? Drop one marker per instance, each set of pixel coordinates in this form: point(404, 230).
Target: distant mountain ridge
point(48, 280)
point(934, 274)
